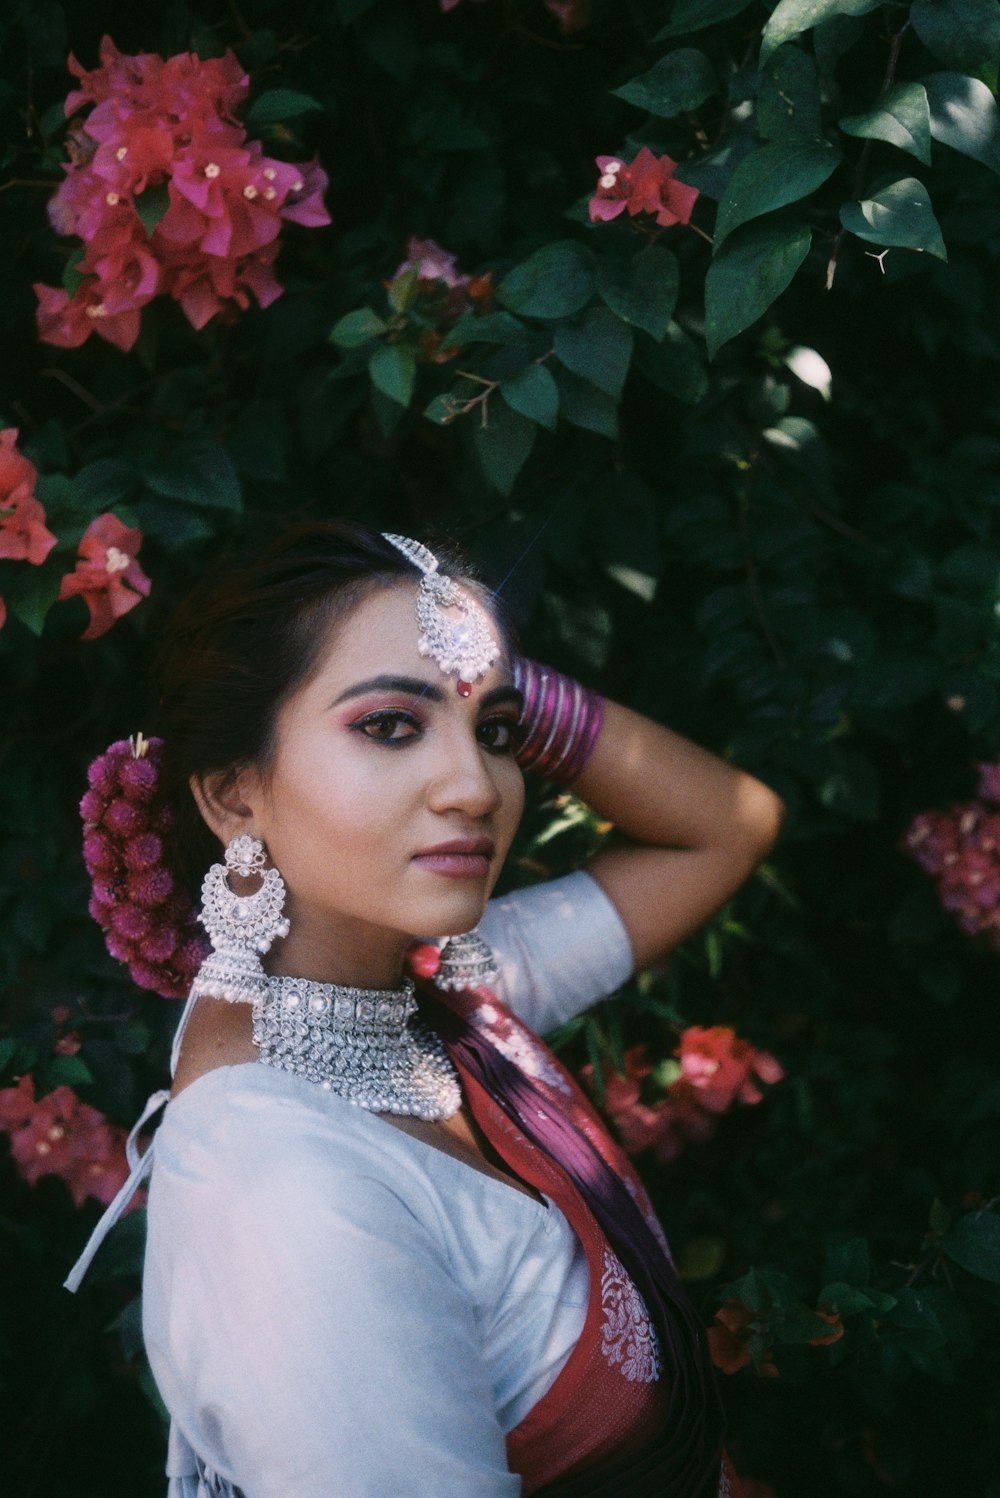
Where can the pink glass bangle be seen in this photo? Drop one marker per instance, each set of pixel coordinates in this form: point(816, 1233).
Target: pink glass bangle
point(560, 722)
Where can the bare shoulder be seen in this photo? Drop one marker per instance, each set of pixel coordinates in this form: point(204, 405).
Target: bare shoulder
point(217, 1034)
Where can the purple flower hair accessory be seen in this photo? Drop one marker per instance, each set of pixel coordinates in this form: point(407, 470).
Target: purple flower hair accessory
point(148, 923)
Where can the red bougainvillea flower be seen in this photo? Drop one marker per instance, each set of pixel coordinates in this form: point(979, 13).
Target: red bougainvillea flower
point(717, 1070)
point(833, 1318)
point(62, 1136)
point(169, 197)
point(23, 533)
point(729, 1341)
point(107, 574)
point(960, 848)
point(719, 1067)
point(646, 185)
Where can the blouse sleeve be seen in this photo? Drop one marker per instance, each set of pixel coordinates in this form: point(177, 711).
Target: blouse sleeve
point(302, 1323)
point(560, 947)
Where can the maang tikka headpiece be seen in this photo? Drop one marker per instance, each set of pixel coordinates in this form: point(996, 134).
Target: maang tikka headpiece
point(464, 645)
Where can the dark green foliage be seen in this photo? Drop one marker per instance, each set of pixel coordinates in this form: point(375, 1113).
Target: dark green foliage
point(751, 488)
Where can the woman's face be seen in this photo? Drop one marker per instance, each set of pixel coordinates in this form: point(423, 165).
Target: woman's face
point(392, 800)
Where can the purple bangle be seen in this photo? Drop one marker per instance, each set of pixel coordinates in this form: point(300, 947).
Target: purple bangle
point(561, 721)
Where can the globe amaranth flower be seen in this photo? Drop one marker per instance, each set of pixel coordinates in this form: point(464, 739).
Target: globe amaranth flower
point(169, 198)
point(60, 1135)
point(24, 536)
point(107, 575)
point(148, 921)
point(646, 185)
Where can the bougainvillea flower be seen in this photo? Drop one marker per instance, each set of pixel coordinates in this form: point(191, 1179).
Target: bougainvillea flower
point(825, 1338)
point(107, 575)
point(960, 848)
point(729, 1341)
point(67, 321)
point(169, 198)
point(720, 1067)
point(24, 536)
point(62, 1136)
point(647, 185)
point(431, 261)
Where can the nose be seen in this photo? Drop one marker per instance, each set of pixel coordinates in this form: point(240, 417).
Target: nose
point(463, 780)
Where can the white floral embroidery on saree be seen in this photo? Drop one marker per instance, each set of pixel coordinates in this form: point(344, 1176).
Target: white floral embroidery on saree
point(628, 1338)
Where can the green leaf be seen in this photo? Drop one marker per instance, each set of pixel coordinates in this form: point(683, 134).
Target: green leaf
point(393, 370)
point(403, 292)
point(963, 34)
point(692, 15)
point(788, 96)
point(556, 281)
point(903, 118)
point(974, 1244)
point(599, 349)
point(492, 327)
point(152, 205)
point(32, 596)
point(67, 1071)
point(72, 278)
point(679, 81)
point(279, 104)
point(778, 173)
point(641, 289)
point(357, 328)
point(749, 274)
point(677, 365)
point(899, 215)
point(791, 17)
point(847, 1299)
point(535, 394)
point(585, 406)
point(964, 116)
point(197, 471)
point(502, 446)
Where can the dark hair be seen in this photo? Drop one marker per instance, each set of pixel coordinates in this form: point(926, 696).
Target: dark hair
point(246, 638)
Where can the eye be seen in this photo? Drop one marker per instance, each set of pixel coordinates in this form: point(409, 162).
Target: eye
point(389, 727)
point(501, 735)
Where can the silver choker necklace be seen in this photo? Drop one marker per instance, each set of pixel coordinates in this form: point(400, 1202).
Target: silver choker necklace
point(363, 1044)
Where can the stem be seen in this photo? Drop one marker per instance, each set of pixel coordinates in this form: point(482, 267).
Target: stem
point(860, 171)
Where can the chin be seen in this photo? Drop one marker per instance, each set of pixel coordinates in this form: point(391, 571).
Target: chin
point(454, 917)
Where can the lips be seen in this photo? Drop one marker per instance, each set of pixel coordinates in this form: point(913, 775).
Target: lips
point(459, 858)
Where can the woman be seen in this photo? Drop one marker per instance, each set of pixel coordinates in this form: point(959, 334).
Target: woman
point(402, 1257)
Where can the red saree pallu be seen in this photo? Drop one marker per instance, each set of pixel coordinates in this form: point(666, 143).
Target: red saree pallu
point(635, 1412)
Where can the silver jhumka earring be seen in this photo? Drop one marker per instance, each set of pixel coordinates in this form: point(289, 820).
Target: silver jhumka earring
point(464, 646)
point(466, 962)
point(241, 928)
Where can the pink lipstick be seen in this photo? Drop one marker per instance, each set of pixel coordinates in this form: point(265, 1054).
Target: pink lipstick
point(460, 858)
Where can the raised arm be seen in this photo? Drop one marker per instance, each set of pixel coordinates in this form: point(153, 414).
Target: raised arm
point(689, 828)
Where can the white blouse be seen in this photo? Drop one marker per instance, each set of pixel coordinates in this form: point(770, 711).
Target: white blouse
point(335, 1309)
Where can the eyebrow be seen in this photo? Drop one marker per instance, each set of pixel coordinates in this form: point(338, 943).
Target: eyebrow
point(415, 687)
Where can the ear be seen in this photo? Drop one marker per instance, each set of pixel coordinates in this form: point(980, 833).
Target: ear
point(226, 801)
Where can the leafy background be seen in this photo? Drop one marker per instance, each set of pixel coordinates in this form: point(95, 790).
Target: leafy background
point(757, 505)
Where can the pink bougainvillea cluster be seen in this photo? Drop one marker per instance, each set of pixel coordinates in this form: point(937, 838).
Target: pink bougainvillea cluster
point(644, 185)
point(148, 920)
point(107, 574)
point(60, 1135)
point(572, 15)
point(169, 197)
point(445, 294)
point(23, 533)
point(718, 1069)
point(960, 848)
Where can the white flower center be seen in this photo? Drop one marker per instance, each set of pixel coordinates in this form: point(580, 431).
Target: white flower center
point(115, 560)
point(212, 169)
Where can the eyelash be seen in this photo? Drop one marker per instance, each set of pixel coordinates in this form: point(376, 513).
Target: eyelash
point(393, 717)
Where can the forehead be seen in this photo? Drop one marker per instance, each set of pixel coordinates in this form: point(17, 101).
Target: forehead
point(381, 634)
